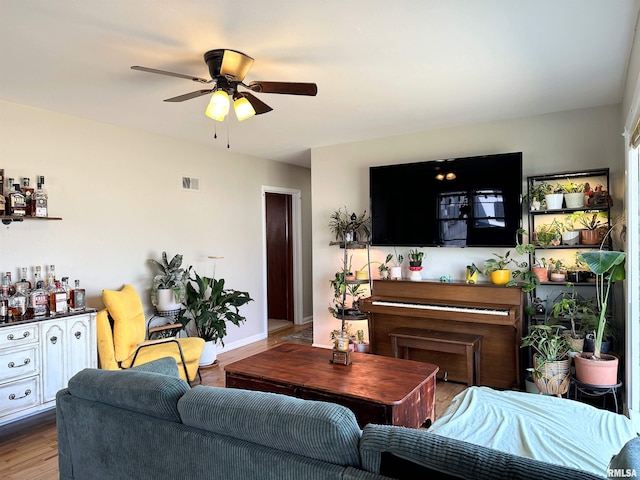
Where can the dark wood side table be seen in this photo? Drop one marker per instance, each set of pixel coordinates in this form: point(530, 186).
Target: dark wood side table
point(377, 389)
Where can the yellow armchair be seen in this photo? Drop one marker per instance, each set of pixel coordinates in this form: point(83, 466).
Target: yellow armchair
point(122, 344)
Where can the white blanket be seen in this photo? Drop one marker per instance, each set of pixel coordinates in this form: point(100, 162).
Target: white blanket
point(551, 429)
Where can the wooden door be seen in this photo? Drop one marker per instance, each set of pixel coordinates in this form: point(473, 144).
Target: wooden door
point(279, 256)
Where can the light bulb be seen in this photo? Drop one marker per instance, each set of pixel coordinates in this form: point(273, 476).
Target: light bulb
point(218, 106)
point(243, 108)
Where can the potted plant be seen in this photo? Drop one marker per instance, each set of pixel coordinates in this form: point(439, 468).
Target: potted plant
point(350, 227)
point(210, 306)
point(555, 197)
point(496, 268)
point(598, 368)
point(168, 286)
point(570, 236)
point(558, 270)
point(551, 360)
point(361, 345)
point(396, 270)
point(549, 234)
point(472, 273)
point(415, 264)
point(573, 194)
point(383, 268)
point(591, 221)
point(536, 194)
point(568, 307)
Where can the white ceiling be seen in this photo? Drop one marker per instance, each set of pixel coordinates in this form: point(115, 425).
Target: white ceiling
point(382, 68)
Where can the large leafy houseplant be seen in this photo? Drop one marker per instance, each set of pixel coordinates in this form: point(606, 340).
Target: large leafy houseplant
point(171, 276)
point(211, 306)
point(608, 267)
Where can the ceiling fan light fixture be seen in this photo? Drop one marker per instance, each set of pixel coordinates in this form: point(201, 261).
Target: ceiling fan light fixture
point(218, 105)
point(243, 108)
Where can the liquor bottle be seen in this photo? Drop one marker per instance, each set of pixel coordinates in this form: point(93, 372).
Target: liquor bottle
point(6, 195)
point(28, 195)
point(4, 305)
point(17, 202)
point(58, 300)
point(66, 288)
point(51, 279)
point(18, 304)
point(78, 299)
point(39, 299)
point(9, 283)
point(41, 199)
point(26, 284)
point(2, 200)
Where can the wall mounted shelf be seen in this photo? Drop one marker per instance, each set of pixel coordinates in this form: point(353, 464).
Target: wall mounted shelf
point(8, 219)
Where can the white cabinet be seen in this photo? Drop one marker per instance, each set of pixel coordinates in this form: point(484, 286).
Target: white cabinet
point(68, 346)
point(38, 358)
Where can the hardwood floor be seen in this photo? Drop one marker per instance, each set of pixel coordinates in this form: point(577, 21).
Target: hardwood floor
point(29, 449)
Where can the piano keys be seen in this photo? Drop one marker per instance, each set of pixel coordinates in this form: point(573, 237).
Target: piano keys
point(493, 311)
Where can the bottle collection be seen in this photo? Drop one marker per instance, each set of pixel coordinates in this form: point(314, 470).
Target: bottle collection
point(23, 299)
point(21, 199)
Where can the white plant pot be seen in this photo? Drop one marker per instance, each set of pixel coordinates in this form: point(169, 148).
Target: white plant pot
point(574, 200)
point(209, 354)
point(166, 300)
point(554, 201)
point(571, 238)
point(396, 273)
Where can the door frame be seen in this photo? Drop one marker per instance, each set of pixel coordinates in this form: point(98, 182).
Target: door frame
point(296, 240)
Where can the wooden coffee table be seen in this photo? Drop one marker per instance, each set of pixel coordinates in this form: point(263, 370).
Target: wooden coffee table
point(377, 389)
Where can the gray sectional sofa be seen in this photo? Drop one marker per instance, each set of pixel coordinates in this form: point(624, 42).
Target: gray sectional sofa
point(147, 423)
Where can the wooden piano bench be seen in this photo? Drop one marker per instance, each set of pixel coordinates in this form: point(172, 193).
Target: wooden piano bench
point(449, 342)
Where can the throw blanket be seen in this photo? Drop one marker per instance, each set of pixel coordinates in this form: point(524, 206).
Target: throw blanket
point(551, 429)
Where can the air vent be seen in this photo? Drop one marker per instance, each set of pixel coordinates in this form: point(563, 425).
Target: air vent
point(190, 183)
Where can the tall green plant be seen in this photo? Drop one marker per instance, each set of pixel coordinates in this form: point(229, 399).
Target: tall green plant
point(608, 268)
point(211, 306)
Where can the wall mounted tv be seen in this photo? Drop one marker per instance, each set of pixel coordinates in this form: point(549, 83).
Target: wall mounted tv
point(456, 202)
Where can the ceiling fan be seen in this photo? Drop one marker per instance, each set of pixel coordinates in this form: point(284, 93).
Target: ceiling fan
point(228, 69)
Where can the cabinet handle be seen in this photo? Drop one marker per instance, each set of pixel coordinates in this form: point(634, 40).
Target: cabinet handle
point(27, 392)
point(78, 335)
point(27, 361)
point(54, 339)
point(11, 337)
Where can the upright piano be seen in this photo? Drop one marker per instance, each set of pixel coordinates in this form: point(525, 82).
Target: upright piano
point(493, 311)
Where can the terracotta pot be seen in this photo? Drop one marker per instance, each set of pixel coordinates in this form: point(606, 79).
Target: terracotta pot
point(589, 237)
point(541, 272)
point(596, 372)
point(500, 277)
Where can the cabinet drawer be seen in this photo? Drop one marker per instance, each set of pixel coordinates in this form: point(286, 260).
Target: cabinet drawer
point(18, 362)
point(18, 335)
point(19, 395)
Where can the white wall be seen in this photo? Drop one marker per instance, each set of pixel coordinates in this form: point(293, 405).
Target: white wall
point(589, 138)
point(119, 194)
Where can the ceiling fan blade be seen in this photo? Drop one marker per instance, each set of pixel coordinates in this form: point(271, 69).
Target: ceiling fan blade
point(223, 62)
point(287, 88)
point(171, 74)
point(188, 96)
point(258, 105)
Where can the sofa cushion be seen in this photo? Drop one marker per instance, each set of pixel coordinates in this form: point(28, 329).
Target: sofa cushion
point(627, 460)
point(146, 392)
point(319, 430)
point(433, 453)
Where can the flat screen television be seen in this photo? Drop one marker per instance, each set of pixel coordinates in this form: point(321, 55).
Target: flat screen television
point(455, 202)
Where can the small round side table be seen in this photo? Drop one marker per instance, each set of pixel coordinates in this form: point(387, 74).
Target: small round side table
point(595, 391)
